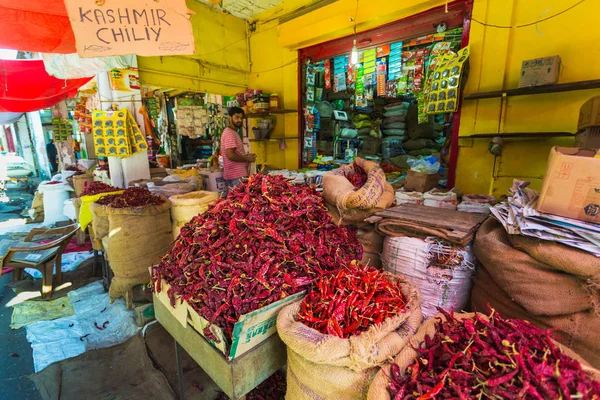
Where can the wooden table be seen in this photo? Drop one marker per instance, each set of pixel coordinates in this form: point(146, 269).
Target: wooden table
point(236, 378)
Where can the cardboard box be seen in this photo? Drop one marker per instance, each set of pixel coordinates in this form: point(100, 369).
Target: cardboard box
point(420, 182)
point(589, 138)
point(371, 146)
point(250, 330)
point(589, 114)
point(213, 181)
point(571, 186)
point(540, 71)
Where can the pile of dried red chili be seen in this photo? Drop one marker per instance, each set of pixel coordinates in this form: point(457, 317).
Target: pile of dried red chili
point(267, 240)
point(93, 188)
point(273, 388)
point(491, 358)
point(132, 197)
point(349, 302)
point(358, 178)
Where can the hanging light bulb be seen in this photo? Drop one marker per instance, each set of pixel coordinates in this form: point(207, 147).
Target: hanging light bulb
point(354, 54)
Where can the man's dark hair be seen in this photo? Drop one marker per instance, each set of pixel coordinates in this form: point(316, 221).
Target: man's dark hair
point(235, 110)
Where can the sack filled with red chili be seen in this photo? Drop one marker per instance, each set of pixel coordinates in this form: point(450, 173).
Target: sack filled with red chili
point(473, 356)
point(345, 328)
point(267, 240)
point(351, 301)
point(132, 197)
point(94, 188)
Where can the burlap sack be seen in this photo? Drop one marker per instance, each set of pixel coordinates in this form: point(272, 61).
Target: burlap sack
point(338, 191)
point(99, 228)
point(80, 181)
point(561, 258)
point(578, 331)
point(371, 241)
point(184, 207)
point(538, 288)
point(379, 388)
point(327, 367)
point(138, 237)
point(372, 259)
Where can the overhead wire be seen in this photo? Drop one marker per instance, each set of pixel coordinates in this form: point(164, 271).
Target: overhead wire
point(528, 24)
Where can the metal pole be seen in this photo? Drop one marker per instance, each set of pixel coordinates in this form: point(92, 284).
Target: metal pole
point(179, 370)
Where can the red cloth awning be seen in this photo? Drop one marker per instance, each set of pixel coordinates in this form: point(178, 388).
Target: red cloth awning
point(26, 86)
point(36, 25)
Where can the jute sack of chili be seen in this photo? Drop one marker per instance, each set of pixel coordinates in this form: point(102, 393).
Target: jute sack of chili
point(578, 331)
point(138, 238)
point(546, 282)
point(483, 356)
point(184, 207)
point(358, 186)
point(330, 366)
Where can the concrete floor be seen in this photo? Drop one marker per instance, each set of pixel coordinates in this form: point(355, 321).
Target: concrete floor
point(16, 361)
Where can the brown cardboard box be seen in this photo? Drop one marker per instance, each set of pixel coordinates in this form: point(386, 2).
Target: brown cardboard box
point(540, 71)
point(572, 184)
point(589, 114)
point(420, 182)
point(371, 146)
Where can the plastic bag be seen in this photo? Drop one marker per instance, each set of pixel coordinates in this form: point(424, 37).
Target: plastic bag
point(429, 165)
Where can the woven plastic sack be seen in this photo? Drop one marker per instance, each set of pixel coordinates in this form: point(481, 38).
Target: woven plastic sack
point(475, 208)
point(375, 193)
point(379, 387)
point(184, 207)
point(440, 199)
point(138, 237)
point(404, 197)
point(442, 272)
point(321, 366)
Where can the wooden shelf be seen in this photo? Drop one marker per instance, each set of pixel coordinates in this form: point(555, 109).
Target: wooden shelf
point(560, 87)
point(273, 139)
point(516, 135)
point(267, 113)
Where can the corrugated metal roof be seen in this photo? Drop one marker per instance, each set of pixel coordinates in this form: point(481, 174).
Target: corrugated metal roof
point(245, 9)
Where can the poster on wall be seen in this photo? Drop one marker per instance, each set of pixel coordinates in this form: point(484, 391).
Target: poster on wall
point(142, 27)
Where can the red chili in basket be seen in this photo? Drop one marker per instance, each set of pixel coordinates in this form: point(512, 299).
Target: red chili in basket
point(491, 358)
point(266, 241)
point(351, 301)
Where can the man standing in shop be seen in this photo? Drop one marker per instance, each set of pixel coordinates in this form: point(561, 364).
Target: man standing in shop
point(236, 163)
point(52, 153)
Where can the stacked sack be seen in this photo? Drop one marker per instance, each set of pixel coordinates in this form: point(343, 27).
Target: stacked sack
point(394, 129)
point(477, 203)
point(549, 284)
point(440, 270)
point(423, 139)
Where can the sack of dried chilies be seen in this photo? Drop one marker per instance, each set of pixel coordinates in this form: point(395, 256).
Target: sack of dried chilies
point(347, 326)
point(358, 190)
point(474, 356)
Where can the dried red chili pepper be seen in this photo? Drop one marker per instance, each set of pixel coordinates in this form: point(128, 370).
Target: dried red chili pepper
point(332, 306)
point(266, 241)
point(132, 197)
point(93, 188)
point(358, 177)
point(273, 388)
point(492, 358)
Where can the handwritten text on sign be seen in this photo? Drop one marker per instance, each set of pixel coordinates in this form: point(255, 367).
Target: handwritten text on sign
point(143, 27)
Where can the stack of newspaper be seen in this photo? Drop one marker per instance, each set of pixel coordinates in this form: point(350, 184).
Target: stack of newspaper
point(519, 217)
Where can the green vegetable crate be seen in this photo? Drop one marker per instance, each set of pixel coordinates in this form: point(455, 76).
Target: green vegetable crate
point(250, 330)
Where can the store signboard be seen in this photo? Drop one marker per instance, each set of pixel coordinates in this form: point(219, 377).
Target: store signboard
point(142, 27)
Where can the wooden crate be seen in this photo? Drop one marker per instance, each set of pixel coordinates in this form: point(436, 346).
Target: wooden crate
point(235, 378)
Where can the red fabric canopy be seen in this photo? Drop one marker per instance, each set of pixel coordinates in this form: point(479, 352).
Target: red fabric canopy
point(26, 86)
point(36, 25)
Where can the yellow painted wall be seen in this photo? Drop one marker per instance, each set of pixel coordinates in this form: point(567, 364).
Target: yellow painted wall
point(220, 64)
point(495, 64)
